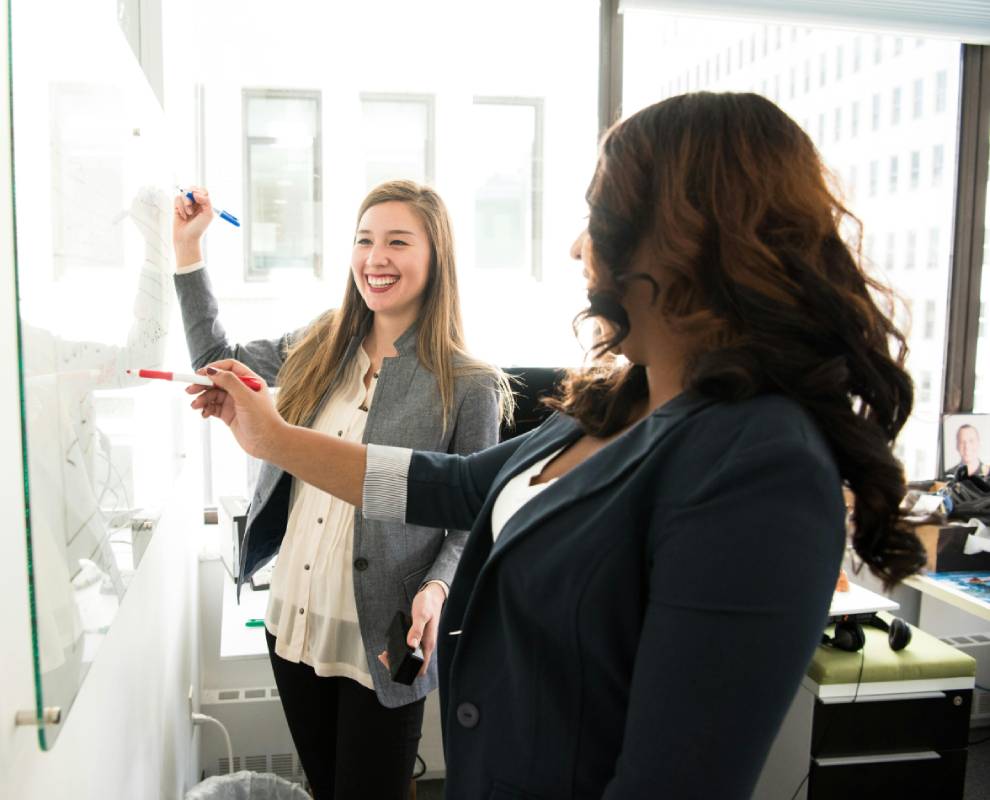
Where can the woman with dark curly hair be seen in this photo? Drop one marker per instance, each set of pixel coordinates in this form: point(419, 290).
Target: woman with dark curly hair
point(649, 572)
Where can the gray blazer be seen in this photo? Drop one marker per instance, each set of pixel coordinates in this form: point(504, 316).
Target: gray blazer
point(391, 559)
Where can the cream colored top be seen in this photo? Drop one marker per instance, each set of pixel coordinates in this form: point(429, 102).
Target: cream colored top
point(311, 609)
point(517, 492)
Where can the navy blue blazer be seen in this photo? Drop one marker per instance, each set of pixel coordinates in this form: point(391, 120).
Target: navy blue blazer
point(641, 626)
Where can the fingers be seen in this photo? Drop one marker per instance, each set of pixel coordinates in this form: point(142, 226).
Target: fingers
point(187, 209)
point(230, 381)
point(429, 644)
point(229, 365)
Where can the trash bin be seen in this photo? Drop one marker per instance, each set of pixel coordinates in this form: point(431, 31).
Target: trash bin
point(247, 785)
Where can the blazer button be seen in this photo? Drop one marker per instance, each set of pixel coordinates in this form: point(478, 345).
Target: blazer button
point(468, 715)
point(361, 564)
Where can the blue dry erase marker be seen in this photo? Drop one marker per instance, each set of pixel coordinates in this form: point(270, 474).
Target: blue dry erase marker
point(219, 212)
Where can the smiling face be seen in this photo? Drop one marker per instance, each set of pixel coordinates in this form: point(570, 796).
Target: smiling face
point(968, 444)
point(390, 261)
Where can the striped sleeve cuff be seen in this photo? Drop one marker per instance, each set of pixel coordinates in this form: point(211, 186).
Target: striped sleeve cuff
point(194, 267)
point(385, 481)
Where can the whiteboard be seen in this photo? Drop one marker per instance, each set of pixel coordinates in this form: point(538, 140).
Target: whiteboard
point(92, 196)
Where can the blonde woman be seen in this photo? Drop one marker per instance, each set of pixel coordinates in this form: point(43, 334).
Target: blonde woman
point(388, 367)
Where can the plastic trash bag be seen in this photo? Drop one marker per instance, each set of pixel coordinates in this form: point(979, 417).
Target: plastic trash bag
point(247, 785)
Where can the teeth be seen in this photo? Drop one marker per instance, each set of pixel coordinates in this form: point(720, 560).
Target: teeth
point(380, 282)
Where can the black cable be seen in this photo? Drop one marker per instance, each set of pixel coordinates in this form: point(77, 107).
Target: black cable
point(821, 739)
point(979, 741)
point(422, 772)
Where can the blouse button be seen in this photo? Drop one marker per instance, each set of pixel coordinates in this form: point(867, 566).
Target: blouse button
point(340, 433)
point(302, 611)
point(376, 375)
point(319, 520)
point(306, 566)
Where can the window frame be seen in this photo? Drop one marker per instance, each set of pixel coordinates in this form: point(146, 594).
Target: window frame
point(252, 275)
point(430, 101)
point(536, 167)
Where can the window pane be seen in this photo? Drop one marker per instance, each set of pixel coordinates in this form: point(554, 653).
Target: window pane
point(505, 135)
point(903, 149)
point(282, 156)
point(397, 137)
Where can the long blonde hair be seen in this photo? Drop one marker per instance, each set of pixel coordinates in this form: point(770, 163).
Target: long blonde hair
point(312, 363)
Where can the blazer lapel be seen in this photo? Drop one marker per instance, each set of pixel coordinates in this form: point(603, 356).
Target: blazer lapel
point(605, 467)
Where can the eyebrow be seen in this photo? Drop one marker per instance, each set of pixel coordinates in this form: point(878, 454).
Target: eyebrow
point(389, 233)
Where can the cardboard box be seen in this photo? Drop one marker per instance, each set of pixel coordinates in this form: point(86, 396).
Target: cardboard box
point(944, 545)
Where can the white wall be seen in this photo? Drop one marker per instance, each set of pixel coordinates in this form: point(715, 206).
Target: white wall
point(128, 734)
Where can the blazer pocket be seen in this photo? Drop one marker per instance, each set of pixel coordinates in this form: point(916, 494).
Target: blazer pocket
point(502, 791)
point(414, 580)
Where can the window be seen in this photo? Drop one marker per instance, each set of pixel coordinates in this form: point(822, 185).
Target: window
point(933, 237)
point(398, 139)
point(822, 70)
point(898, 46)
point(938, 153)
point(791, 83)
point(508, 135)
point(282, 157)
point(899, 214)
point(929, 319)
point(941, 82)
point(925, 387)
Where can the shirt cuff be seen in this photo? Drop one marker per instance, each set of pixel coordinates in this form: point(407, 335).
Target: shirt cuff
point(385, 483)
point(196, 265)
point(442, 584)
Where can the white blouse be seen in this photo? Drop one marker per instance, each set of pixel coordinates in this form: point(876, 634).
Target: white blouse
point(311, 608)
point(517, 492)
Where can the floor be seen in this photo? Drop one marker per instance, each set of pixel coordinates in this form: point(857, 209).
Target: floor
point(977, 773)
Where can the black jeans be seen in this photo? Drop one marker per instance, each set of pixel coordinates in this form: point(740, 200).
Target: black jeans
point(349, 744)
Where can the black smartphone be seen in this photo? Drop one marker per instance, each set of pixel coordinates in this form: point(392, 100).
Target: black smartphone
point(404, 661)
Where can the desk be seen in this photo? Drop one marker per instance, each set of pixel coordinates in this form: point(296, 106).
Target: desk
point(948, 593)
point(236, 639)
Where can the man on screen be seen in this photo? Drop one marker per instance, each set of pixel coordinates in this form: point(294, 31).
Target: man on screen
point(968, 447)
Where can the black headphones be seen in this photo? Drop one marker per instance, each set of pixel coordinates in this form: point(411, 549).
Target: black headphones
point(849, 633)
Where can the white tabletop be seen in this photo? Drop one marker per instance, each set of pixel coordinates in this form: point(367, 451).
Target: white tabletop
point(859, 601)
point(947, 592)
point(237, 640)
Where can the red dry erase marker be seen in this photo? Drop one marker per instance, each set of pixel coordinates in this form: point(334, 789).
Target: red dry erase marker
point(201, 380)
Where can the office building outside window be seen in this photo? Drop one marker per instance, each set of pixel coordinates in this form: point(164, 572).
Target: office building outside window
point(282, 188)
point(904, 214)
point(397, 132)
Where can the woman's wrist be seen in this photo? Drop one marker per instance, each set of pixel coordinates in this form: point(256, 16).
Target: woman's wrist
point(188, 253)
point(276, 439)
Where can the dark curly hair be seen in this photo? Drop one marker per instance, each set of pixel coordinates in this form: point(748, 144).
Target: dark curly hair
point(728, 198)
